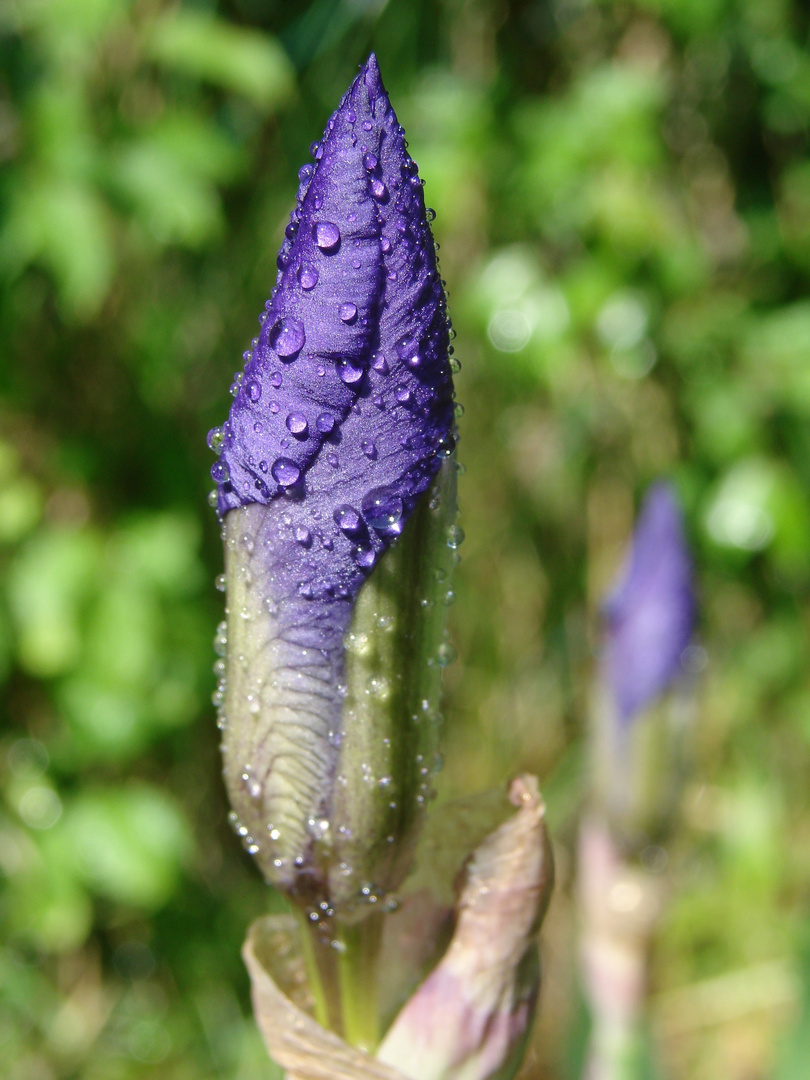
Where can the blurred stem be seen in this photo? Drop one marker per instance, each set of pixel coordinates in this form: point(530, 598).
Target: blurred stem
point(310, 950)
point(614, 1051)
point(358, 957)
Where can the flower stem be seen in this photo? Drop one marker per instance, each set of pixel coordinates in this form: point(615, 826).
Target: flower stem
point(315, 974)
point(357, 975)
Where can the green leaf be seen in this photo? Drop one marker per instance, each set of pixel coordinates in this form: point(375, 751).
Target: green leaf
point(236, 58)
point(128, 844)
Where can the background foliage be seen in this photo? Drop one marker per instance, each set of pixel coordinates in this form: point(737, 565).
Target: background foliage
point(623, 197)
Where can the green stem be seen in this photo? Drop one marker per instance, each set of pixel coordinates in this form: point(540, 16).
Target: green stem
point(309, 951)
point(357, 977)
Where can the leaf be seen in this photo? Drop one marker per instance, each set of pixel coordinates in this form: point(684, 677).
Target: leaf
point(236, 58)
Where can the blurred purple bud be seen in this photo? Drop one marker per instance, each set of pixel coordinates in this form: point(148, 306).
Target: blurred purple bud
point(650, 615)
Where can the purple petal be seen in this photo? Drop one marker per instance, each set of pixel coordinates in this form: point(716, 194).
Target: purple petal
point(355, 360)
point(650, 615)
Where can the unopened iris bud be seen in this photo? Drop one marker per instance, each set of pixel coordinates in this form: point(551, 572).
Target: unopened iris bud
point(645, 669)
point(335, 484)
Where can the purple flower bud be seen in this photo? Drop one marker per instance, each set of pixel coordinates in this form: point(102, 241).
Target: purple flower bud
point(358, 283)
point(650, 615)
point(339, 425)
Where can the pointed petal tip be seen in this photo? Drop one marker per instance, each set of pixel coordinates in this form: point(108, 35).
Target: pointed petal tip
point(372, 77)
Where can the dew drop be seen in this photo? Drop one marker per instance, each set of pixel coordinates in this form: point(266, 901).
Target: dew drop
point(378, 188)
point(347, 312)
point(303, 536)
point(216, 440)
point(253, 389)
point(289, 337)
point(455, 537)
point(385, 245)
point(276, 379)
point(370, 161)
point(325, 423)
point(349, 521)
point(285, 472)
point(446, 654)
point(369, 449)
point(219, 472)
point(365, 556)
point(383, 510)
point(221, 582)
point(297, 424)
point(308, 277)
point(350, 372)
point(326, 234)
point(402, 394)
point(407, 349)
point(367, 125)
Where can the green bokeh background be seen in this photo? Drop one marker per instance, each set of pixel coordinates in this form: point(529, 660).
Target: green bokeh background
point(623, 206)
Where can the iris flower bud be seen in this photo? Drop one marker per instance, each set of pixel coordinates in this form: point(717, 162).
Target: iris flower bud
point(643, 699)
point(335, 485)
point(650, 615)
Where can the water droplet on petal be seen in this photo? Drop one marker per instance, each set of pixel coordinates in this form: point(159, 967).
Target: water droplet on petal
point(276, 379)
point(407, 349)
point(216, 440)
point(402, 394)
point(385, 245)
point(383, 510)
point(327, 235)
point(288, 338)
point(370, 161)
point(253, 389)
point(369, 449)
point(349, 521)
point(365, 556)
point(378, 188)
point(308, 277)
point(350, 372)
point(347, 312)
point(285, 472)
point(297, 424)
point(325, 423)
point(219, 472)
point(303, 536)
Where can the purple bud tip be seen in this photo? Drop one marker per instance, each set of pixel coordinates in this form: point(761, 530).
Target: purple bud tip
point(352, 353)
point(650, 615)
